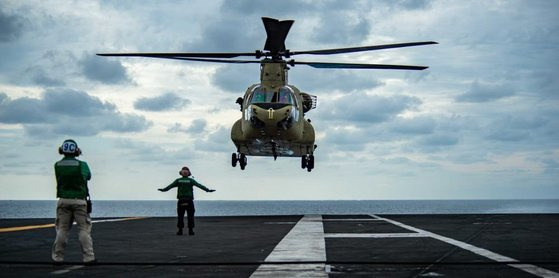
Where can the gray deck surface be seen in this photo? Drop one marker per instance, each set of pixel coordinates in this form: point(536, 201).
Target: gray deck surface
point(465, 245)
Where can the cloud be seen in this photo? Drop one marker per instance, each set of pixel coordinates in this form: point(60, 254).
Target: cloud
point(236, 78)
point(103, 69)
point(417, 125)
point(69, 112)
point(165, 102)
point(363, 108)
point(22, 110)
point(11, 26)
point(217, 141)
point(341, 28)
point(484, 93)
point(197, 126)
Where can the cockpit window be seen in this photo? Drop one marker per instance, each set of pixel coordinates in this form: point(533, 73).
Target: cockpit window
point(283, 95)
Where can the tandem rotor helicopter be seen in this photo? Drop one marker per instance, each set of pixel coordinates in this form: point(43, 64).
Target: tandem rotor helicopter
point(273, 112)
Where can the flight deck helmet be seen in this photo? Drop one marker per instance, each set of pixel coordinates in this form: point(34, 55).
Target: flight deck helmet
point(69, 148)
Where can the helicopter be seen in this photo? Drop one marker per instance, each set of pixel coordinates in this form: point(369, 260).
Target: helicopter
point(273, 112)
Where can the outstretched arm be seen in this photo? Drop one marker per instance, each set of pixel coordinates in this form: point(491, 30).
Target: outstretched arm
point(203, 187)
point(174, 184)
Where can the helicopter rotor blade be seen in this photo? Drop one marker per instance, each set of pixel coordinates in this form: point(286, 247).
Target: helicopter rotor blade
point(184, 55)
point(212, 60)
point(326, 65)
point(360, 48)
point(277, 32)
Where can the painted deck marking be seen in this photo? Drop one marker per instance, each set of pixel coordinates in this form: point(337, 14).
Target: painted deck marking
point(305, 242)
point(64, 271)
point(378, 235)
point(31, 227)
point(351, 219)
point(532, 269)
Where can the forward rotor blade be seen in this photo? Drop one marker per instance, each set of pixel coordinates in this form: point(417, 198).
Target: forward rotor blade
point(360, 48)
point(277, 32)
point(324, 65)
point(185, 55)
point(213, 60)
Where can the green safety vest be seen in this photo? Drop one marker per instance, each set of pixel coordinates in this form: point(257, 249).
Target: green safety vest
point(185, 187)
point(71, 178)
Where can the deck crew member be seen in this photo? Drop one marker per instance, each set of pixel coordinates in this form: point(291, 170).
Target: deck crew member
point(185, 198)
point(71, 189)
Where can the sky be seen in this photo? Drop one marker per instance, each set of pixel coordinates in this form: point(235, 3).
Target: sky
point(482, 122)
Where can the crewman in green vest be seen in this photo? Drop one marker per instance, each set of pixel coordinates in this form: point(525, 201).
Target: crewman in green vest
point(71, 190)
point(185, 198)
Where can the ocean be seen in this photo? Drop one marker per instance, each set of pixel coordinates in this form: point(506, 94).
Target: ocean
point(46, 209)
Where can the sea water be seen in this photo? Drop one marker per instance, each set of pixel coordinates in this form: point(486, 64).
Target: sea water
point(46, 209)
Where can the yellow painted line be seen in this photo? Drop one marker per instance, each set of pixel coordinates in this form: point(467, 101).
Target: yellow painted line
point(23, 228)
point(31, 227)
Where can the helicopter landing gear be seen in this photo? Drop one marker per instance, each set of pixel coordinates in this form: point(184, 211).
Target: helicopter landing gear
point(241, 158)
point(234, 159)
point(307, 161)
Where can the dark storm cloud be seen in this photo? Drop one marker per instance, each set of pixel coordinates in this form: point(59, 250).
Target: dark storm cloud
point(165, 102)
point(363, 108)
point(484, 92)
point(69, 112)
point(103, 69)
point(11, 26)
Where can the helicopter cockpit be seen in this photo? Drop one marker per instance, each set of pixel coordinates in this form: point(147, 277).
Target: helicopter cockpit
point(284, 95)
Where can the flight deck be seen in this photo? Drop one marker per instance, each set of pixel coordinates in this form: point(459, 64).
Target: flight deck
point(445, 245)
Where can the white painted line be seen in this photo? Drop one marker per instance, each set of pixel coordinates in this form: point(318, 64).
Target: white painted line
point(305, 242)
point(351, 219)
point(64, 271)
point(116, 219)
point(538, 271)
point(378, 235)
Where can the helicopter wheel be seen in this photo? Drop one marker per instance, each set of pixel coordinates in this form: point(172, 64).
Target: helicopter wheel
point(303, 162)
point(243, 161)
point(234, 159)
point(310, 162)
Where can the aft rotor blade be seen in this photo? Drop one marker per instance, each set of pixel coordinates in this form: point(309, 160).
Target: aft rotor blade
point(277, 32)
point(184, 55)
point(324, 65)
point(360, 48)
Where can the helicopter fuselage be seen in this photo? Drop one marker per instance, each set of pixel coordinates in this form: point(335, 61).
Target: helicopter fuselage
point(272, 121)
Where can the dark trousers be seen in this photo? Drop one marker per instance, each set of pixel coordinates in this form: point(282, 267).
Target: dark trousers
point(185, 205)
